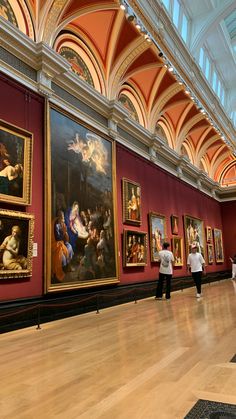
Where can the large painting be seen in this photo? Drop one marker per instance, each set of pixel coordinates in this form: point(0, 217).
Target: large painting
point(157, 231)
point(219, 252)
point(81, 235)
point(131, 202)
point(15, 164)
point(194, 234)
point(134, 248)
point(16, 244)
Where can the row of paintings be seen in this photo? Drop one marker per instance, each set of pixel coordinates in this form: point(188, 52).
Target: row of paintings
point(81, 234)
point(16, 228)
point(135, 242)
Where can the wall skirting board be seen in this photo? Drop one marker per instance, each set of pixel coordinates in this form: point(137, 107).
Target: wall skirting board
point(35, 311)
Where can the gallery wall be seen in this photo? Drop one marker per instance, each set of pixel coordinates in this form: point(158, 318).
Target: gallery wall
point(160, 191)
point(22, 108)
point(228, 211)
point(164, 194)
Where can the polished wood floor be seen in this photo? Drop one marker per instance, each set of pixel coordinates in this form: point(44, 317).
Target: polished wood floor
point(153, 359)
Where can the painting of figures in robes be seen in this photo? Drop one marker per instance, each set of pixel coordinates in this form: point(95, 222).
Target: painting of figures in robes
point(81, 234)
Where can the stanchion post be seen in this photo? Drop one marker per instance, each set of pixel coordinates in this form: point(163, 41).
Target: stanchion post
point(38, 320)
point(135, 299)
point(97, 302)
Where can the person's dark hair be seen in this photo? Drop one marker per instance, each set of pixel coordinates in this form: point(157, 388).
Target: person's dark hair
point(166, 245)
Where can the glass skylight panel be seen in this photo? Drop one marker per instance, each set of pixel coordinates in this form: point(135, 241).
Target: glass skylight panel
point(176, 12)
point(184, 29)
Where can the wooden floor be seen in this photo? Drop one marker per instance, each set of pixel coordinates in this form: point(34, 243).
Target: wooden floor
point(153, 359)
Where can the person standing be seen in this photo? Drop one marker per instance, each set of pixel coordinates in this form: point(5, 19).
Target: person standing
point(166, 258)
point(196, 265)
point(233, 260)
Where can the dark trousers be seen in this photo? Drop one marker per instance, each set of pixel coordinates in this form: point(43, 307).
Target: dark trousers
point(162, 278)
point(197, 277)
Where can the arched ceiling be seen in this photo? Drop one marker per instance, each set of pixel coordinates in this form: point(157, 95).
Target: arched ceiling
point(106, 49)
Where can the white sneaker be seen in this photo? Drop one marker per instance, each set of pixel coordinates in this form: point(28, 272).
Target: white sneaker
point(198, 295)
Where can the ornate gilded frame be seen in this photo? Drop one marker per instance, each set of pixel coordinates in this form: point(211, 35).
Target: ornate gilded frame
point(19, 265)
point(157, 234)
point(132, 204)
point(84, 182)
point(218, 244)
point(134, 248)
point(177, 249)
point(194, 234)
point(16, 148)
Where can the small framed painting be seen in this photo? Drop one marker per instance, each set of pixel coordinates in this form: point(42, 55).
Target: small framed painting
point(208, 234)
point(16, 244)
point(219, 252)
point(16, 146)
point(177, 249)
point(134, 248)
point(210, 253)
point(131, 202)
point(174, 224)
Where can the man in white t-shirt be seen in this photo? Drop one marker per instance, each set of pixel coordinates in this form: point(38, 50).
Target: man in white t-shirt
point(196, 264)
point(166, 258)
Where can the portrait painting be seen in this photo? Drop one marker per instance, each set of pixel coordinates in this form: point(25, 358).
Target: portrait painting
point(218, 242)
point(208, 234)
point(15, 164)
point(131, 202)
point(16, 244)
point(81, 231)
point(174, 224)
point(157, 233)
point(134, 248)
point(177, 249)
point(194, 234)
point(210, 253)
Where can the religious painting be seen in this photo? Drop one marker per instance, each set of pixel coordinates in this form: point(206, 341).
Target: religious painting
point(194, 234)
point(210, 253)
point(174, 224)
point(157, 232)
point(219, 252)
point(127, 103)
point(131, 202)
point(15, 164)
point(16, 244)
point(208, 234)
point(80, 205)
point(177, 249)
point(134, 248)
point(77, 64)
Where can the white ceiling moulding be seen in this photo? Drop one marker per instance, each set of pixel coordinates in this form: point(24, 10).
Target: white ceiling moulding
point(164, 34)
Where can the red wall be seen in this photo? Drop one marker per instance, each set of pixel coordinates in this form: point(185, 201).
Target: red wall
point(165, 194)
point(228, 210)
point(161, 192)
point(25, 109)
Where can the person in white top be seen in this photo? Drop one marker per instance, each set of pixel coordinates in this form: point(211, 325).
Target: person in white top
point(196, 265)
point(166, 258)
point(233, 260)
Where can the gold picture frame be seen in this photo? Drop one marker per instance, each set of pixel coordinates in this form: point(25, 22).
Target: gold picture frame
point(174, 219)
point(210, 253)
point(134, 248)
point(194, 234)
point(131, 202)
point(208, 234)
point(16, 244)
point(157, 233)
point(81, 227)
point(16, 148)
point(218, 244)
point(177, 249)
